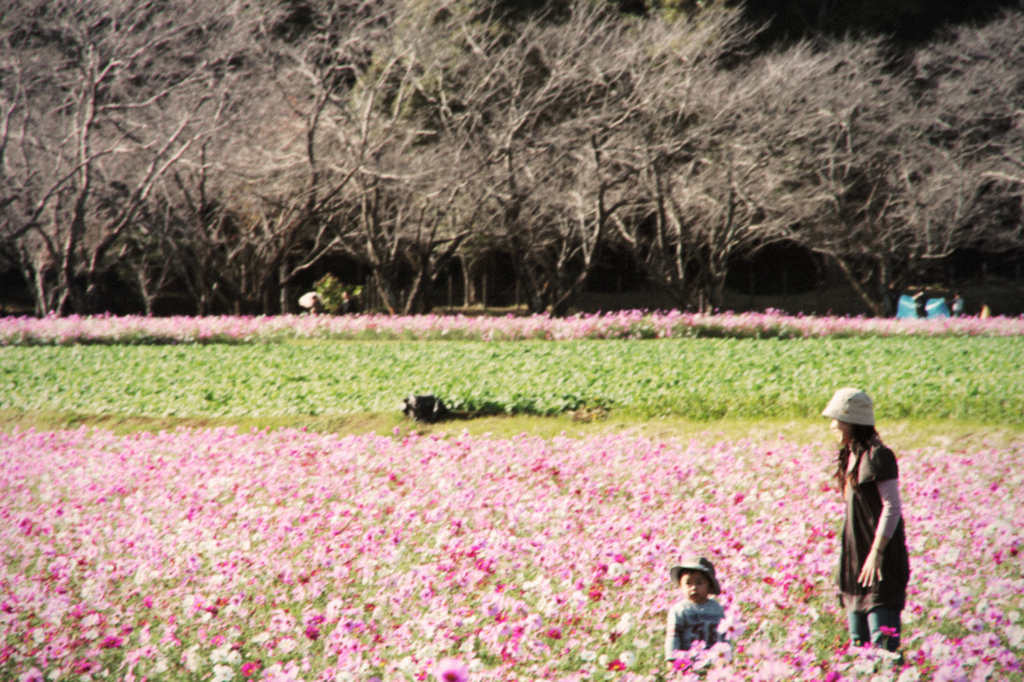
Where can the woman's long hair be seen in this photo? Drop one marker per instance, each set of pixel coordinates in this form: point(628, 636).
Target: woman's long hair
point(862, 437)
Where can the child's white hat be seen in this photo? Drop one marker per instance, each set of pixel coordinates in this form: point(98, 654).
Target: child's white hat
point(696, 564)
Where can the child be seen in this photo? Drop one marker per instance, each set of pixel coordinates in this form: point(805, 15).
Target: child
point(695, 616)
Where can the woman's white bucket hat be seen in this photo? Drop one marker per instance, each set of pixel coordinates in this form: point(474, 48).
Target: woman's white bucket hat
point(851, 405)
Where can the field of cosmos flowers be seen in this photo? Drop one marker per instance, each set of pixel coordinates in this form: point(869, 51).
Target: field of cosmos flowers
point(286, 555)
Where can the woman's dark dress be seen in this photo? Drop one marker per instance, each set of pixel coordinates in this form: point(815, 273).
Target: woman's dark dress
point(863, 509)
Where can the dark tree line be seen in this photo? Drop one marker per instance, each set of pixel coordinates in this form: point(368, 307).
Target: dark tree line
point(225, 150)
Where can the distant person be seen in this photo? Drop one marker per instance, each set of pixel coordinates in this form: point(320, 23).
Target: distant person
point(312, 302)
point(956, 306)
point(874, 567)
point(695, 616)
point(986, 312)
point(921, 305)
point(891, 300)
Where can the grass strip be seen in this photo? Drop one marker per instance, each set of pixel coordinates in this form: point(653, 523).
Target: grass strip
point(979, 379)
point(901, 434)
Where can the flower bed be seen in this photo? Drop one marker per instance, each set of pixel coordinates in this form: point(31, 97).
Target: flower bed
point(633, 324)
point(296, 556)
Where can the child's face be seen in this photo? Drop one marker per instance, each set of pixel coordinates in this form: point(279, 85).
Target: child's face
point(696, 586)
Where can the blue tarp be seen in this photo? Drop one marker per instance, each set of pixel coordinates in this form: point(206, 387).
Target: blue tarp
point(934, 308)
point(907, 308)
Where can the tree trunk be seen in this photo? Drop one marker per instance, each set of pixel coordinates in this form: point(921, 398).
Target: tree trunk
point(286, 289)
point(525, 279)
point(560, 307)
point(468, 289)
point(386, 290)
point(876, 306)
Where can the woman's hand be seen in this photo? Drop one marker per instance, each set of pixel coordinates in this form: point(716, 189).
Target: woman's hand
point(871, 572)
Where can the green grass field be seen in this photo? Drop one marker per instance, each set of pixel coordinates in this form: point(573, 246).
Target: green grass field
point(979, 380)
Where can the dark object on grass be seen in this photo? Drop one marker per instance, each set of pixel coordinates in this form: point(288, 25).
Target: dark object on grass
point(425, 408)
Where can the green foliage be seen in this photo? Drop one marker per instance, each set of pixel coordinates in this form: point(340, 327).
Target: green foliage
point(980, 379)
point(333, 292)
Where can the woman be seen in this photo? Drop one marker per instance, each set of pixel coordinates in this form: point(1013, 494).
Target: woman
point(873, 564)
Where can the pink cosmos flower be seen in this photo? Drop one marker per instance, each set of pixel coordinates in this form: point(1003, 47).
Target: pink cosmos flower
point(83, 666)
point(249, 669)
point(312, 631)
point(111, 642)
point(951, 672)
point(451, 670)
point(33, 675)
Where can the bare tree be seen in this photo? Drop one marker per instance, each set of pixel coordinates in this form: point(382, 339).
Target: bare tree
point(551, 110)
point(970, 120)
point(306, 213)
point(101, 101)
point(266, 202)
point(891, 171)
point(706, 190)
point(838, 122)
point(227, 149)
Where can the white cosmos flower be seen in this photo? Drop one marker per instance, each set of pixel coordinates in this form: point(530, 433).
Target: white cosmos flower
point(222, 673)
point(225, 654)
point(625, 623)
point(909, 675)
point(192, 658)
point(1014, 635)
point(141, 576)
point(333, 609)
